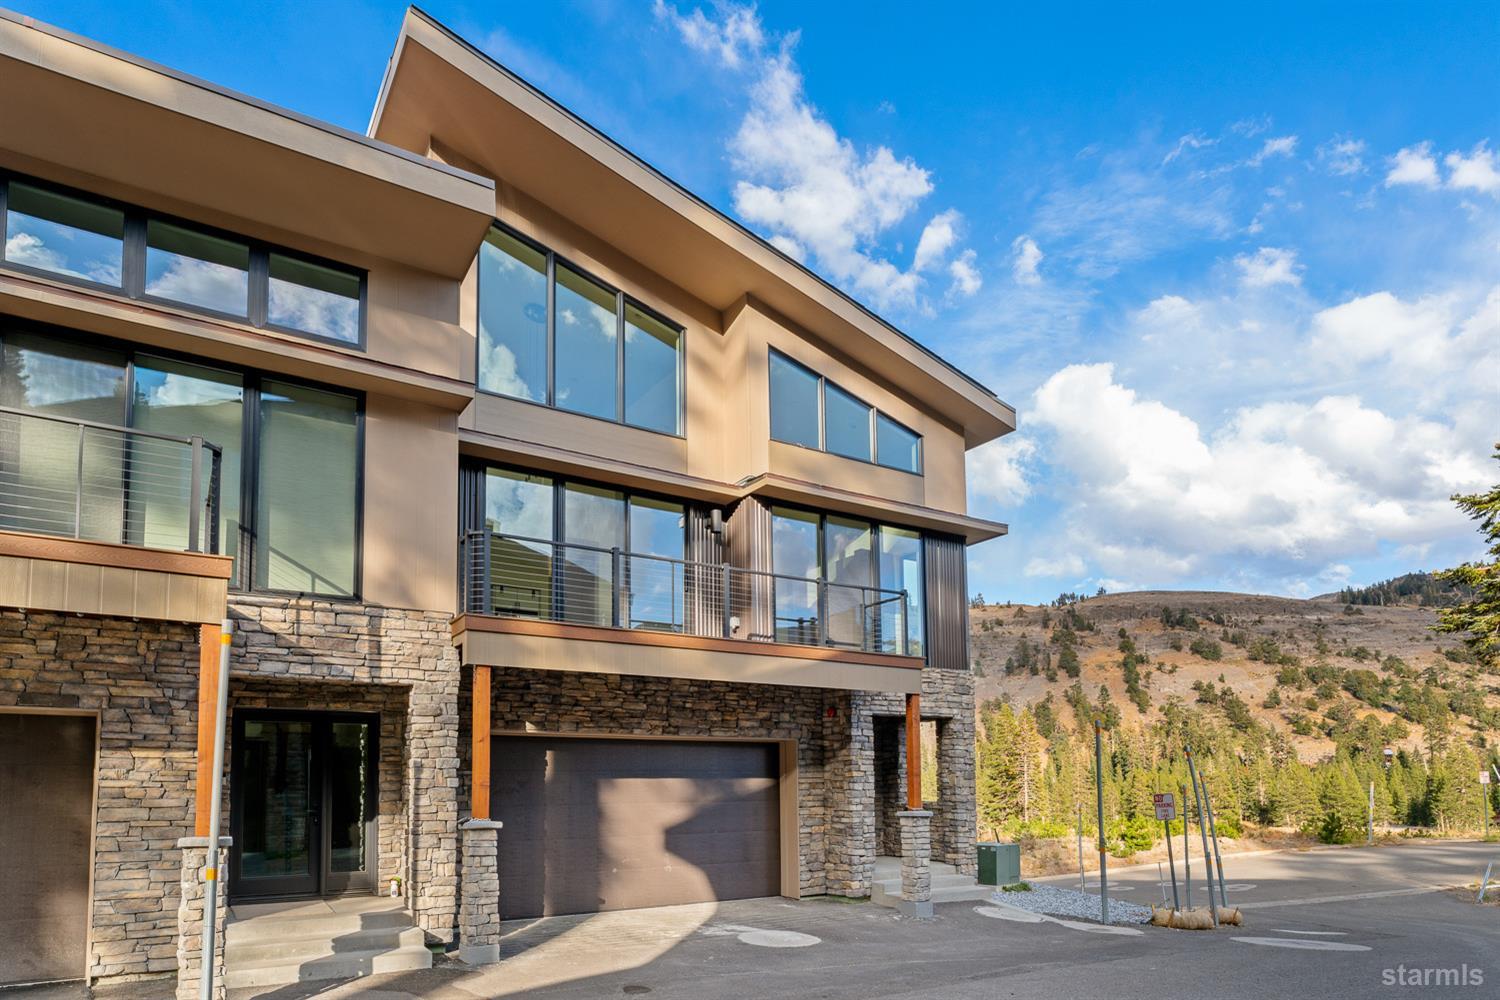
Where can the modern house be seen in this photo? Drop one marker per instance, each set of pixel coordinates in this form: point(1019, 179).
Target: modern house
point(581, 551)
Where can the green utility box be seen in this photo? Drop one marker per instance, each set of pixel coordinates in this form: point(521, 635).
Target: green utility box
point(999, 864)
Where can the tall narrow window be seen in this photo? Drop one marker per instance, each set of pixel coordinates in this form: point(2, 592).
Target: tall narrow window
point(512, 318)
point(65, 235)
point(585, 326)
point(796, 563)
point(306, 504)
point(901, 569)
point(794, 403)
point(313, 298)
point(653, 372)
point(593, 527)
point(849, 567)
point(846, 422)
point(655, 575)
point(518, 513)
point(895, 446)
point(197, 269)
point(183, 400)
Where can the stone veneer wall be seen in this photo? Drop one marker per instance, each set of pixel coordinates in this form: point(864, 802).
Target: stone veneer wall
point(566, 702)
point(141, 678)
point(292, 641)
point(947, 695)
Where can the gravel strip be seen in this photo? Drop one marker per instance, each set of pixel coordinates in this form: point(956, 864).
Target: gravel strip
point(1058, 902)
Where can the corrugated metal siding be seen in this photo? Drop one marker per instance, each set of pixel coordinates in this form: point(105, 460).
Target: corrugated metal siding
point(947, 582)
point(705, 612)
point(470, 517)
point(749, 538)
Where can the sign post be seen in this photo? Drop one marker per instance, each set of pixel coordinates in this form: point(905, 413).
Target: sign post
point(1099, 794)
point(1082, 882)
point(1484, 800)
point(1166, 811)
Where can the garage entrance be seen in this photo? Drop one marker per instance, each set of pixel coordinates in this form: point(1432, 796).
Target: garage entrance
point(612, 824)
point(47, 792)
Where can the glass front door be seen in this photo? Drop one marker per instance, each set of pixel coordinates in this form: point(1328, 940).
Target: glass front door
point(302, 810)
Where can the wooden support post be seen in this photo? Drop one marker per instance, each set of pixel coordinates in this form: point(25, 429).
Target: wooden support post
point(208, 698)
point(914, 751)
point(481, 755)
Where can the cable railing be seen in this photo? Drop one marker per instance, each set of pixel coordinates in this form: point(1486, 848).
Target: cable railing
point(516, 576)
point(102, 483)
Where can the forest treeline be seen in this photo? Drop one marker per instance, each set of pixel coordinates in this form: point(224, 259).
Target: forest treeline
point(1036, 775)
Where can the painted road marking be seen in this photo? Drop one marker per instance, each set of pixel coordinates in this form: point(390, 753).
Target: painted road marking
point(1239, 887)
point(1009, 913)
point(779, 939)
point(1419, 890)
point(1288, 930)
point(1079, 925)
point(1304, 945)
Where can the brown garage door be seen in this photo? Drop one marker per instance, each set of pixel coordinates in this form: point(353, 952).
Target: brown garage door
point(612, 824)
point(46, 808)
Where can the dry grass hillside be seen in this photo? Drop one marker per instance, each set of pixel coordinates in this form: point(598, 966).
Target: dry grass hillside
point(1257, 639)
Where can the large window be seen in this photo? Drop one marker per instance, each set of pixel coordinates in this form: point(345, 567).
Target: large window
point(74, 236)
point(568, 551)
point(550, 334)
point(854, 557)
point(297, 500)
point(810, 411)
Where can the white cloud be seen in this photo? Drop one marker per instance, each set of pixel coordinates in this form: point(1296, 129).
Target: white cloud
point(1435, 341)
point(999, 471)
point(1027, 258)
point(1285, 145)
point(937, 239)
point(1475, 172)
point(1344, 157)
point(1413, 165)
point(1269, 266)
point(1290, 485)
point(818, 195)
point(735, 38)
point(1068, 564)
point(966, 279)
point(1191, 141)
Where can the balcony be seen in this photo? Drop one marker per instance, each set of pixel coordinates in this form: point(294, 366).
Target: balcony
point(107, 520)
point(554, 605)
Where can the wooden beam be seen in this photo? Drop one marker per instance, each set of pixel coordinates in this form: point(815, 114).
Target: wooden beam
point(481, 755)
point(913, 751)
point(208, 699)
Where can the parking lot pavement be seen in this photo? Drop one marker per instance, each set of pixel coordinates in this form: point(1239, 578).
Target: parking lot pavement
point(1318, 923)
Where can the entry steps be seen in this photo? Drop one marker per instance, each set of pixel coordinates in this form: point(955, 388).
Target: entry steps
point(948, 886)
point(273, 944)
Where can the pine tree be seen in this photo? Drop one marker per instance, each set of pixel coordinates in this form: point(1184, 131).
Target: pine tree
point(1477, 619)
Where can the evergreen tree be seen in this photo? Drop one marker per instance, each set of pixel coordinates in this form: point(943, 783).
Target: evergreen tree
point(1477, 619)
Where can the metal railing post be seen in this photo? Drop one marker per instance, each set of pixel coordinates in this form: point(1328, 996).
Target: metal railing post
point(617, 587)
point(78, 488)
point(905, 625)
point(195, 491)
point(822, 612)
point(724, 601)
point(215, 484)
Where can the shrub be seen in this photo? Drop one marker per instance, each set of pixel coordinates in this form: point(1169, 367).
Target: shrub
point(1206, 648)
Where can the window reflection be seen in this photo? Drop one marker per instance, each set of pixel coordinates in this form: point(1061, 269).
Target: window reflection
point(197, 269)
point(62, 234)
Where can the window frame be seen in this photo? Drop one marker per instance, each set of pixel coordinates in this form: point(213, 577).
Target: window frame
point(876, 529)
point(251, 380)
point(559, 484)
point(875, 414)
point(133, 263)
point(549, 400)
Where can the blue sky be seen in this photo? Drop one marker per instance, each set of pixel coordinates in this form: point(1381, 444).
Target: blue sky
point(1237, 270)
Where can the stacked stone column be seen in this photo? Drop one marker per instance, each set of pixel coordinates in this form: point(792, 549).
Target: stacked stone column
point(916, 863)
point(190, 906)
point(479, 893)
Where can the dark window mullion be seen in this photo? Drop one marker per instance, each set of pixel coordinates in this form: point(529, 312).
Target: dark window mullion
point(551, 328)
point(619, 357)
point(4, 210)
point(133, 259)
point(249, 481)
point(260, 286)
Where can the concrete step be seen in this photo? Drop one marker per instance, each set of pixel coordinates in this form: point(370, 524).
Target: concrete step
point(278, 971)
point(321, 945)
point(295, 926)
point(945, 889)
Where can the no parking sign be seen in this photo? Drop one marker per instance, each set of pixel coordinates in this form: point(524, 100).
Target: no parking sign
point(1166, 806)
